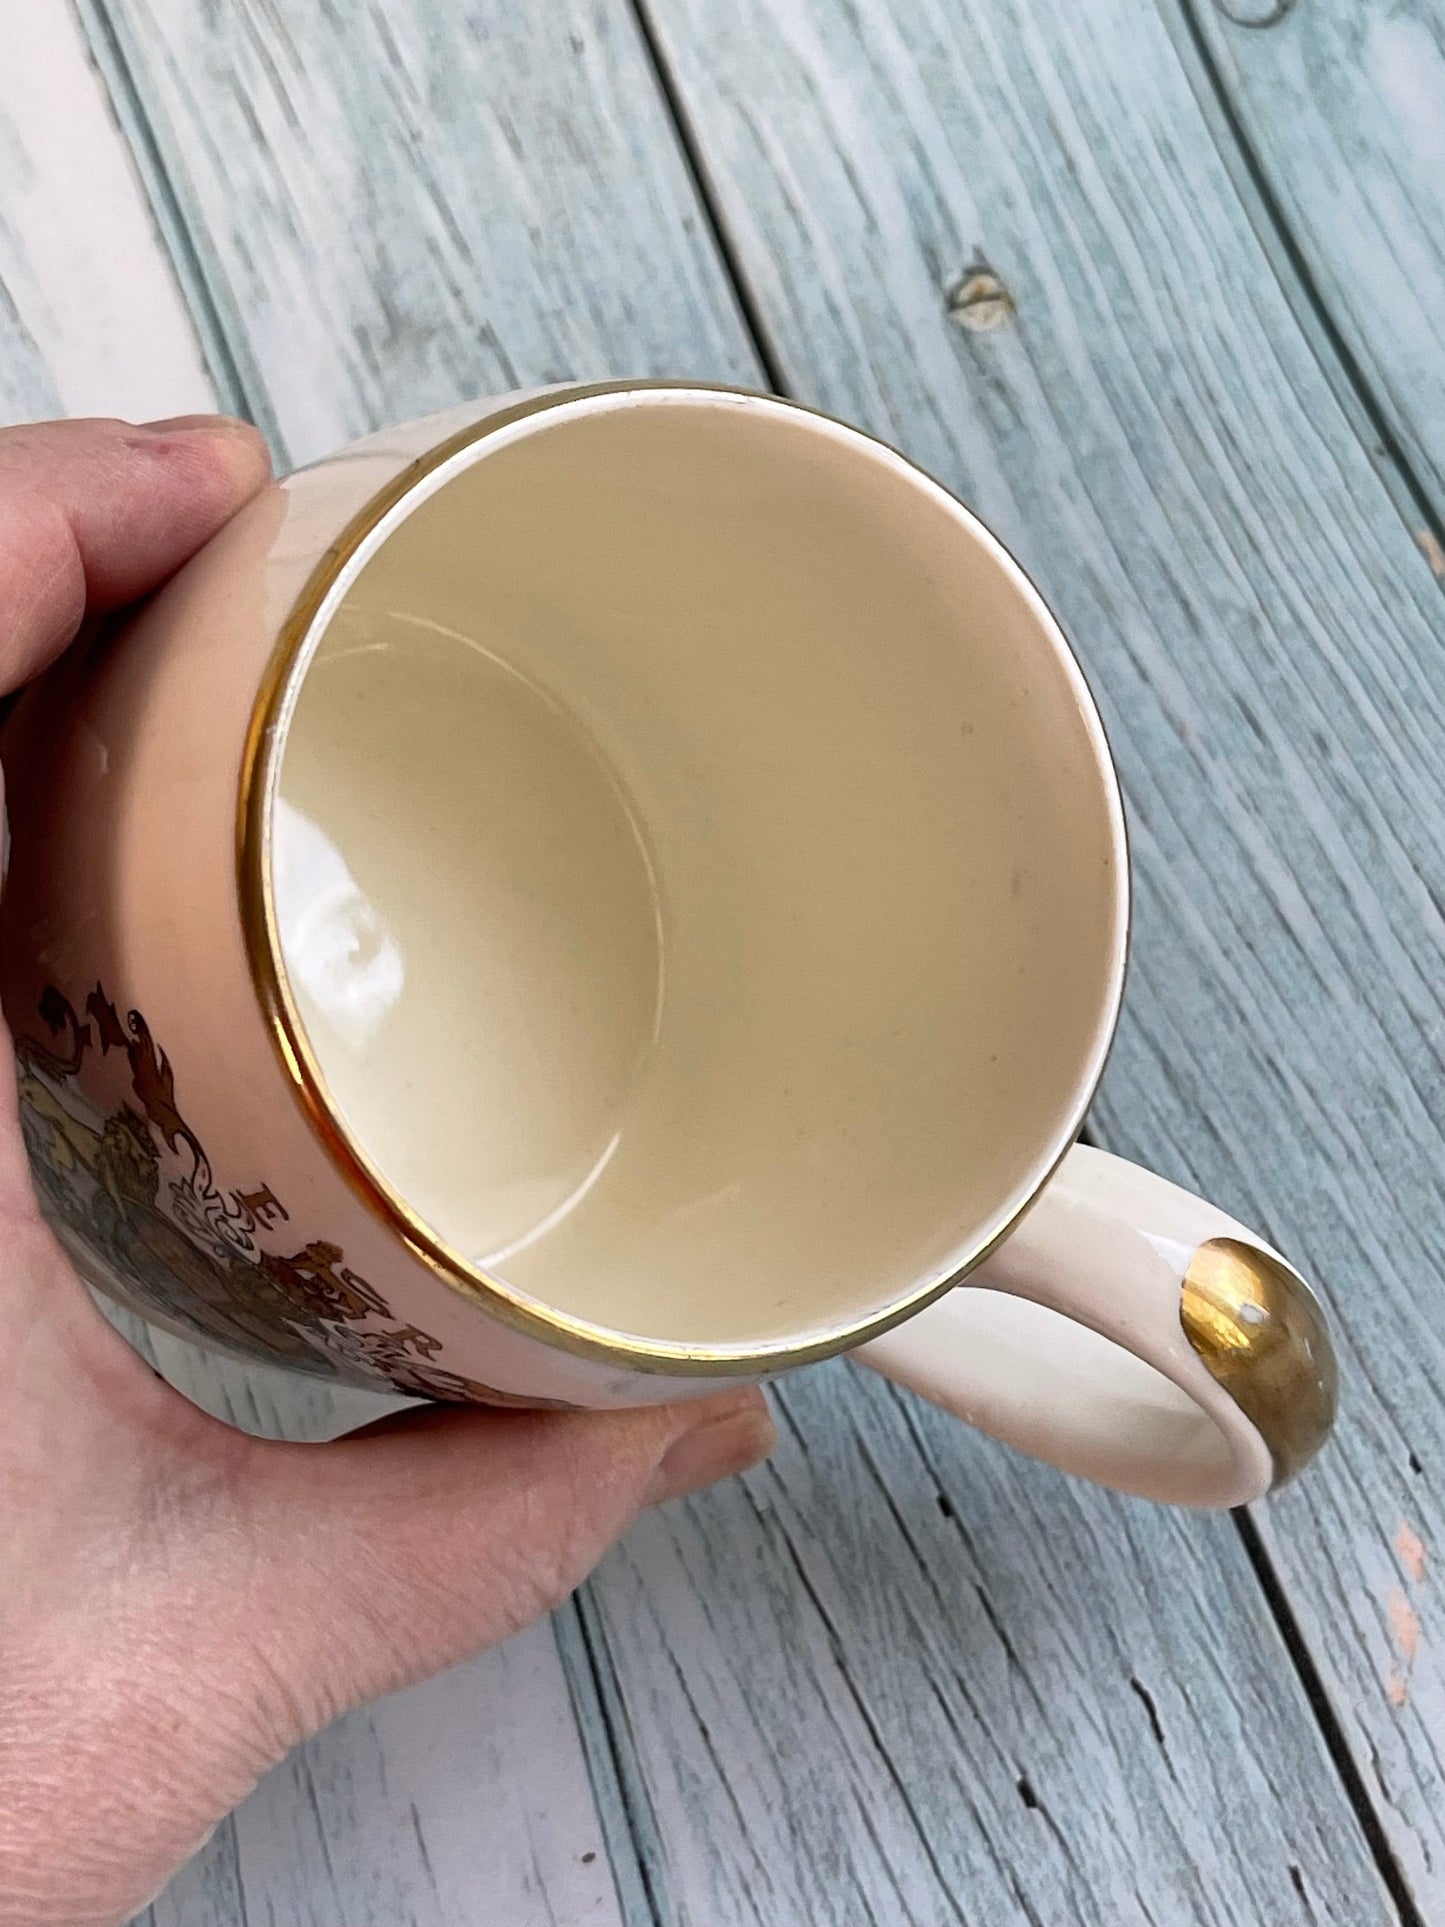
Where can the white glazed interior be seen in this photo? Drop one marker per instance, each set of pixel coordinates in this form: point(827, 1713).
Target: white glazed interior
point(699, 871)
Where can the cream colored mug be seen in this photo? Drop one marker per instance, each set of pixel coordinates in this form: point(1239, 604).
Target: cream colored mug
point(607, 892)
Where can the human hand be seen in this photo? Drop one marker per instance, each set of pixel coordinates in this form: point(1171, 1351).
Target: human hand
point(180, 1604)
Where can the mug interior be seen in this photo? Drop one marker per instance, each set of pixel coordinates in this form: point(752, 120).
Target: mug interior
point(697, 871)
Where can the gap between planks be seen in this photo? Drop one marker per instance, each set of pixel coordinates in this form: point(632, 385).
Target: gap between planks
point(1342, 370)
point(1337, 361)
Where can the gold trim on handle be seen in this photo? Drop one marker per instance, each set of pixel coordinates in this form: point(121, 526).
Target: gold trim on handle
point(1257, 1327)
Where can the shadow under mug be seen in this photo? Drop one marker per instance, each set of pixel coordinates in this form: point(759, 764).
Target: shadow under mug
point(606, 892)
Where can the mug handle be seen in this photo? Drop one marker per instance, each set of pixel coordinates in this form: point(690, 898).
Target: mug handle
point(1131, 1333)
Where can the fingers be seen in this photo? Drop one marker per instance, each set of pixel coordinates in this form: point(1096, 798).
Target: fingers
point(384, 1558)
point(94, 514)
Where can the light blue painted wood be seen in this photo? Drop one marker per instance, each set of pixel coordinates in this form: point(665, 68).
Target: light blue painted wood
point(390, 206)
point(1344, 109)
point(1152, 432)
point(901, 1676)
point(91, 319)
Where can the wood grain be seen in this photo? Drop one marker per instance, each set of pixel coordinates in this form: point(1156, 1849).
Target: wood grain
point(91, 319)
point(391, 206)
point(1154, 435)
point(907, 1677)
point(1344, 110)
point(902, 1677)
point(464, 1801)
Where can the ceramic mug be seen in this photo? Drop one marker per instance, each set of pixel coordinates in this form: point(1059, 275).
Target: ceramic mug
point(607, 892)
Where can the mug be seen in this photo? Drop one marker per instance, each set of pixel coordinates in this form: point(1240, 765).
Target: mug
point(604, 893)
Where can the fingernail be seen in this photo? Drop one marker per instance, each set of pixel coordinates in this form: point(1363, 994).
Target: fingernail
point(184, 424)
point(729, 1441)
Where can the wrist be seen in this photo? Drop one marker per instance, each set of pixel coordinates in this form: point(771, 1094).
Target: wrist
point(103, 1795)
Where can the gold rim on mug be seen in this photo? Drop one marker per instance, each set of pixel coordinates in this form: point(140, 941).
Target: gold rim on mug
point(259, 767)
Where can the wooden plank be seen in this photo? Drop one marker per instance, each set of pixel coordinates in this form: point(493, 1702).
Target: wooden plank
point(1344, 109)
point(392, 207)
point(469, 1794)
point(464, 1800)
point(903, 1670)
point(452, 1832)
point(91, 320)
point(321, 120)
point(1149, 428)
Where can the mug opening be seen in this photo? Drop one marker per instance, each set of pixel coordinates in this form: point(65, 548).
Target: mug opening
point(692, 875)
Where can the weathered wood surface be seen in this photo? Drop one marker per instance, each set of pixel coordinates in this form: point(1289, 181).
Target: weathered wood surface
point(91, 320)
point(1153, 433)
point(390, 206)
point(899, 1676)
point(1343, 109)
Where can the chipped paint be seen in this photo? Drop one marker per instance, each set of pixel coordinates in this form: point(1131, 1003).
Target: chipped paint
point(1411, 1549)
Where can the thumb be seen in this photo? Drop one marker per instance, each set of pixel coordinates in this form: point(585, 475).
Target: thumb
point(395, 1552)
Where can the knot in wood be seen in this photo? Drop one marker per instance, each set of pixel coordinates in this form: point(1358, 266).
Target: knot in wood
point(979, 301)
